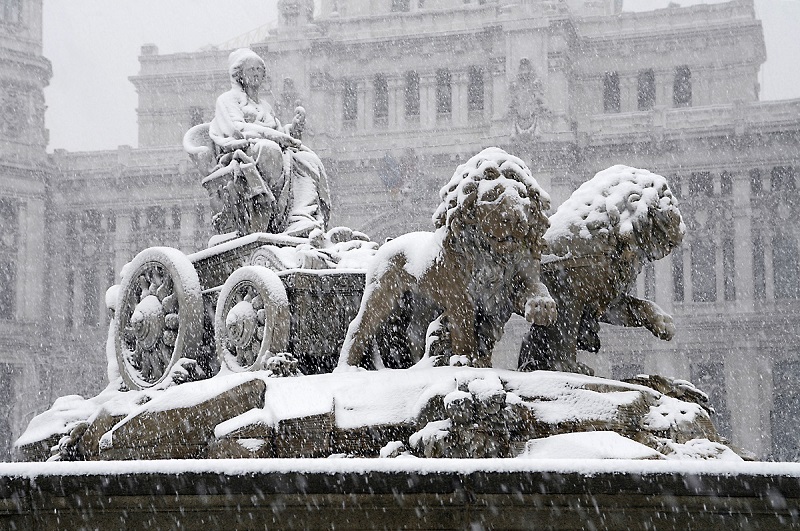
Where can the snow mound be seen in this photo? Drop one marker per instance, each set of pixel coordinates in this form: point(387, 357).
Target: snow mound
point(587, 445)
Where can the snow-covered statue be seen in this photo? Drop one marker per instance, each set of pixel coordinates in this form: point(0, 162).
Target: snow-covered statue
point(527, 108)
point(598, 242)
point(259, 175)
point(478, 267)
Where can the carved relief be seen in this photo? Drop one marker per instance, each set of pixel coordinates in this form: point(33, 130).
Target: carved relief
point(527, 108)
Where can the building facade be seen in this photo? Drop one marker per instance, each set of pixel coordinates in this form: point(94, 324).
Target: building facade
point(399, 92)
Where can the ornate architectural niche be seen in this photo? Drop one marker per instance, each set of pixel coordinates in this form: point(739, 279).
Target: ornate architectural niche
point(527, 109)
point(14, 111)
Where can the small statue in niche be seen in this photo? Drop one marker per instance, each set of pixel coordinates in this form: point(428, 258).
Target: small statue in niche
point(260, 176)
point(287, 101)
point(527, 108)
point(598, 241)
point(478, 267)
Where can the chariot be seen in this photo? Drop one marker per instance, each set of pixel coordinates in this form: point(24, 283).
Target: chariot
point(232, 305)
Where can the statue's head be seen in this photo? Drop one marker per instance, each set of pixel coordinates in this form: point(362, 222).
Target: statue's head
point(246, 68)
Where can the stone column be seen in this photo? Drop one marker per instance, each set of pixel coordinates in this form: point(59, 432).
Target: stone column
point(396, 107)
point(664, 82)
point(427, 100)
point(459, 111)
point(629, 96)
point(742, 242)
point(122, 241)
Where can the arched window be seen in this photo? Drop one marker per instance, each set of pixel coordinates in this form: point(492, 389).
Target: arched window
point(682, 87)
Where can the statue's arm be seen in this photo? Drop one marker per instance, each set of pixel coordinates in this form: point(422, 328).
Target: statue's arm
point(631, 311)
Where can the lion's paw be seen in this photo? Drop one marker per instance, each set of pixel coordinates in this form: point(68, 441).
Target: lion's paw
point(662, 326)
point(541, 311)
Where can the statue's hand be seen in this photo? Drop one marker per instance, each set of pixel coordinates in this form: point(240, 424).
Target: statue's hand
point(299, 120)
point(541, 310)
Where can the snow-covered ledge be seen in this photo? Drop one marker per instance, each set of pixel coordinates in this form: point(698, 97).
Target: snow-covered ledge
point(400, 493)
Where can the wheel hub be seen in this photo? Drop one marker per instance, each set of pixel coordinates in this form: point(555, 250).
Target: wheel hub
point(147, 322)
point(241, 324)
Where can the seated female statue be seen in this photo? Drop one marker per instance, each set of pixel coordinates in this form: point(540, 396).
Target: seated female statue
point(245, 124)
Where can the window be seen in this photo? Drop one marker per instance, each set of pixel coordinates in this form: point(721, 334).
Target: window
point(611, 92)
point(91, 297)
point(759, 275)
point(700, 184)
point(8, 377)
point(785, 264)
point(350, 101)
point(756, 186)
point(786, 396)
point(729, 269)
point(475, 89)
point(444, 94)
point(677, 275)
point(782, 179)
point(156, 218)
point(176, 217)
point(710, 378)
point(401, 5)
point(8, 261)
point(726, 183)
point(412, 93)
point(8, 278)
point(195, 116)
point(646, 90)
point(10, 11)
point(381, 103)
point(704, 272)
point(91, 222)
point(682, 87)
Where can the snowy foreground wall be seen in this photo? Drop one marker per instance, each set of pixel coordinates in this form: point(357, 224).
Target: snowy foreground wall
point(360, 494)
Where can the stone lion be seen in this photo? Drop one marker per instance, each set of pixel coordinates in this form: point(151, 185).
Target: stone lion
point(598, 242)
point(480, 265)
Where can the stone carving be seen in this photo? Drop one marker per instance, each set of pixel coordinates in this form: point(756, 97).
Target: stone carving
point(260, 177)
point(527, 108)
point(480, 265)
point(598, 242)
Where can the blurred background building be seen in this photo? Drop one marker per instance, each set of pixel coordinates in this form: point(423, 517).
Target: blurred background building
point(398, 93)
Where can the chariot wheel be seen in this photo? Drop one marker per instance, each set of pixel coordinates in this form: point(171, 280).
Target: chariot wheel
point(159, 316)
point(252, 319)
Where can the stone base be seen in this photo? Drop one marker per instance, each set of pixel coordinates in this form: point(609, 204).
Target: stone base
point(369, 494)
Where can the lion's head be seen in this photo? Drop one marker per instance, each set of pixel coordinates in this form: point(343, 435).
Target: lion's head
point(619, 208)
point(494, 202)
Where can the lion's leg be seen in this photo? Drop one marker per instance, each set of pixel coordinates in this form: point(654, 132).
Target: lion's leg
point(460, 312)
point(631, 311)
point(380, 298)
